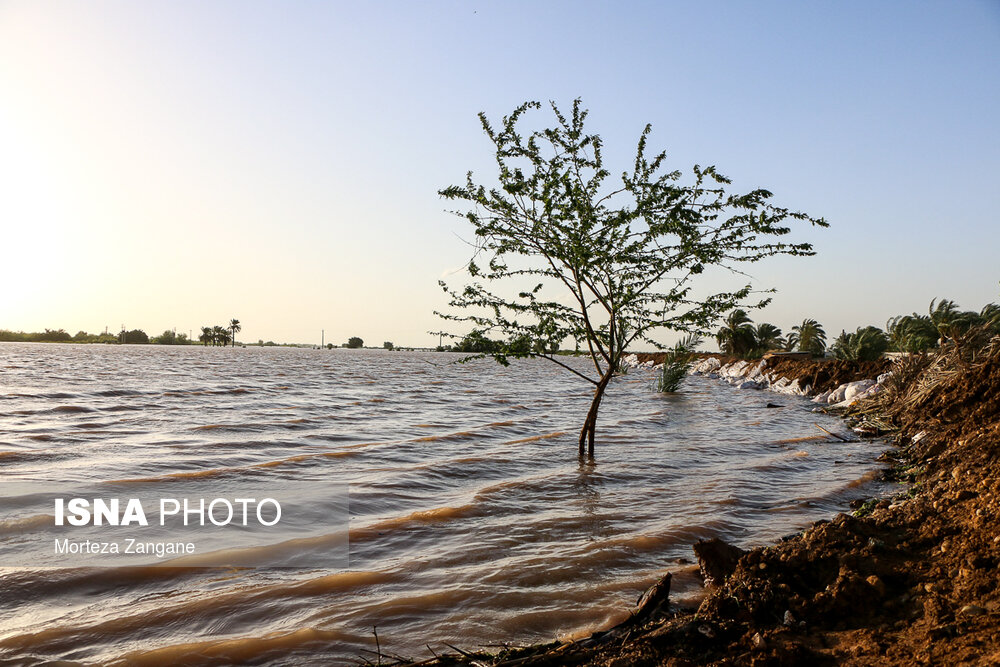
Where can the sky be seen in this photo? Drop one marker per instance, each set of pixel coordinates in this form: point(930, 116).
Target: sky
point(170, 165)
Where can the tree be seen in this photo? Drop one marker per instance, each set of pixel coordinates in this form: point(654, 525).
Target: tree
point(477, 343)
point(911, 333)
point(220, 336)
point(990, 315)
point(354, 342)
point(168, 337)
point(234, 326)
point(55, 336)
point(808, 337)
point(607, 264)
point(737, 335)
point(950, 322)
point(768, 337)
point(388, 346)
point(135, 336)
point(207, 335)
point(865, 344)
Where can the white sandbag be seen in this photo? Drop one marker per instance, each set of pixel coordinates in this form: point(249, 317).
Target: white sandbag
point(707, 365)
point(821, 398)
point(837, 395)
point(779, 385)
point(871, 391)
point(855, 389)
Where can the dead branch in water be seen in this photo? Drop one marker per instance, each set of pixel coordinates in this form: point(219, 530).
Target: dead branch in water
point(838, 437)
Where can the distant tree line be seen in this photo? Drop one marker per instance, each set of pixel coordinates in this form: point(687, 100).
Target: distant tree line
point(215, 335)
point(477, 342)
point(904, 333)
point(132, 337)
point(54, 336)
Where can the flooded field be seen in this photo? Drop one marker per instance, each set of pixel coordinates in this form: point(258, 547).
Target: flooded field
point(471, 519)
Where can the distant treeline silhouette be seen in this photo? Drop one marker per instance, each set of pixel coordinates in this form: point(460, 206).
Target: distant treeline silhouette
point(217, 335)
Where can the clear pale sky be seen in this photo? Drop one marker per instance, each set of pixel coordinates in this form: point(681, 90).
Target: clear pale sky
point(177, 164)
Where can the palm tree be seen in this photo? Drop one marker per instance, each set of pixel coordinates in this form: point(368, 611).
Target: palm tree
point(950, 321)
point(865, 344)
point(808, 337)
point(206, 335)
point(768, 337)
point(737, 336)
point(219, 335)
point(990, 315)
point(234, 326)
point(911, 333)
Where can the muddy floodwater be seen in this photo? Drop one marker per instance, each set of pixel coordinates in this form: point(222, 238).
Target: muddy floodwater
point(471, 519)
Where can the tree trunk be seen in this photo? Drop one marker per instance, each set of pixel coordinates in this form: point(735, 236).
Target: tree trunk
point(590, 425)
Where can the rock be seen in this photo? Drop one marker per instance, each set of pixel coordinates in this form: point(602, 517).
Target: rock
point(717, 560)
point(748, 384)
point(877, 584)
point(758, 641)
point(654, 602)
point(972, 610)
point(773, 405)
point(789, 619)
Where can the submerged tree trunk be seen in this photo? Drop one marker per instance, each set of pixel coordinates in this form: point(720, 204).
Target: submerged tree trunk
point(590, 425)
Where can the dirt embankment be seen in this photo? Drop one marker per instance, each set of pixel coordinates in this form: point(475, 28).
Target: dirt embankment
point(820, 374)
point(911, 581)
point(827, 374)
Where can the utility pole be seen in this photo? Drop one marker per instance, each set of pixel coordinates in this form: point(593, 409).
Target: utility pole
point(322, 337)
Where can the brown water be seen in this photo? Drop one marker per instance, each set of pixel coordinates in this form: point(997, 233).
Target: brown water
point(471, 519)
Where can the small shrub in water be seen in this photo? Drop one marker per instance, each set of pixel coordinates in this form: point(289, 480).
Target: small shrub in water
point(676, 364)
